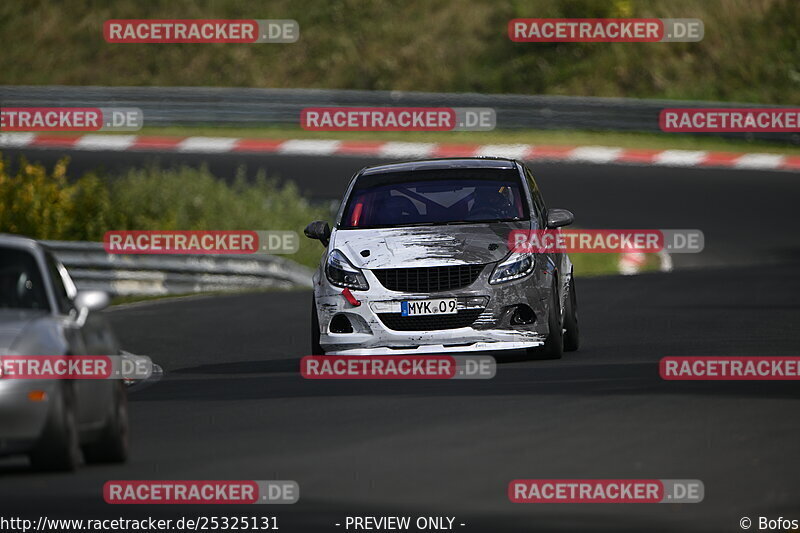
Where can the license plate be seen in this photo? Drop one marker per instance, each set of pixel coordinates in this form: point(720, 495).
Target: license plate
point(444, 306)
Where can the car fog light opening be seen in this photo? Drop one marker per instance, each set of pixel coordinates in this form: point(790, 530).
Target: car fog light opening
point(340, 324)
point(523, 316)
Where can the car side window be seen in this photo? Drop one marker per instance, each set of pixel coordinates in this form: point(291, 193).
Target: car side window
point(63, 300)
point(541, 210)
point(21, 281)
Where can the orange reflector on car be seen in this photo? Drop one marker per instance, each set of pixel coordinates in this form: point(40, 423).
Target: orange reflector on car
point(37, 395)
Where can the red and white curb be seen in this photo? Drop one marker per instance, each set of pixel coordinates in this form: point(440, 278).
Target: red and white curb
point(402, 150)
point(632, 262)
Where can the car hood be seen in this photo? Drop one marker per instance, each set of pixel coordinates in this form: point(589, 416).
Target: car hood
point(15, 322)
point(423, 246)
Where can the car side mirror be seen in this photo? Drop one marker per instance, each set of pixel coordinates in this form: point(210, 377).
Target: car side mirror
point(559, 217)
point(319, 230)
point(88, 301)
point(91, 301)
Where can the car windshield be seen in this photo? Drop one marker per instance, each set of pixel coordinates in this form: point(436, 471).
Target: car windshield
point(21, 282)
point(457, 196)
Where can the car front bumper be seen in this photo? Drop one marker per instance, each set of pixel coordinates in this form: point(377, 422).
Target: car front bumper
point(22, 420)
point(492, 330)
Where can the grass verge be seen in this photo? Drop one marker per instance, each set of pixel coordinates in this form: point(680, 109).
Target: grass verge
point(749, 51)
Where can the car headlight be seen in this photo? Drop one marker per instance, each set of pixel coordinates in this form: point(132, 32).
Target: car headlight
point(342, 273)
point(515, 266)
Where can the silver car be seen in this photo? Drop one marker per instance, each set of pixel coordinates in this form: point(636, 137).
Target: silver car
point(56, 423)
point(419, 262)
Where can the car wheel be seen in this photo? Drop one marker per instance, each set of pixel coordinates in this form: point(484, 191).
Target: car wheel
point(112, 444)
point(554, 344)
point(316, 349)
point(572, 339)
point(59, 445)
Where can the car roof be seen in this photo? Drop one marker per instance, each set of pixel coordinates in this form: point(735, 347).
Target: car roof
point(17, 241)
point(441, 164)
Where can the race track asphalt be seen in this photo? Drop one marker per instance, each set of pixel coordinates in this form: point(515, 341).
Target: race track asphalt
point(233, 406)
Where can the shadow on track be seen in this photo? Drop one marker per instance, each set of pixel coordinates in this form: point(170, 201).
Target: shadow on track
point(280, 378)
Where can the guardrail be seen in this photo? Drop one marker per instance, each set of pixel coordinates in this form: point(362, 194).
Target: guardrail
point(91, 267)
point(169, 106)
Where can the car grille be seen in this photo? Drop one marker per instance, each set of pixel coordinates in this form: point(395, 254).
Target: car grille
point(398, 322)
point(428, 279)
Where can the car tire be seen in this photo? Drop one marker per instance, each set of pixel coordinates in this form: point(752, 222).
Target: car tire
point(59, 445)
point(572, 338)
point(316, 348)
point(112, 444)
point(554, 344)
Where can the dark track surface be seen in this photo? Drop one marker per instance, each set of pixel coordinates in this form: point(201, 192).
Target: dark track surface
point(234, 407)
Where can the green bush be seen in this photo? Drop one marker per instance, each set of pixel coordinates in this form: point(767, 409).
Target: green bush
point(46, 205)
